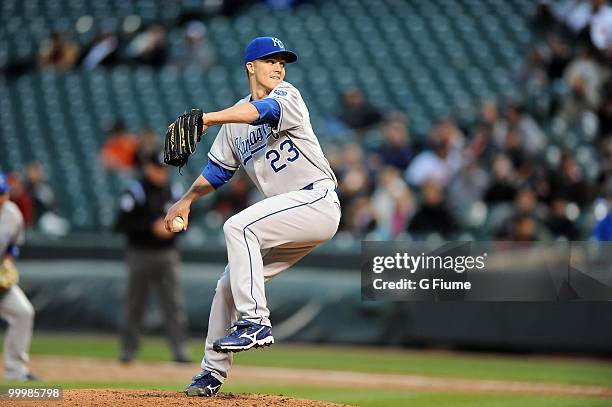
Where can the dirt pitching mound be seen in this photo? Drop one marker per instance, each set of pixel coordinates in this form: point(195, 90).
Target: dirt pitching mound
point(133, 398)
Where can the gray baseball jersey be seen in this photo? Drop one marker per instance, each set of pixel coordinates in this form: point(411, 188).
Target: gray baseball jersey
point(11, 226)
point(278, 160)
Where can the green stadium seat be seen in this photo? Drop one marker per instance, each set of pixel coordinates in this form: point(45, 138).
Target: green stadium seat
point(427, 58)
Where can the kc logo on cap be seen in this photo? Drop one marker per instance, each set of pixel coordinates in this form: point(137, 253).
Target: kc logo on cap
point(262, 47)
point(277, 42)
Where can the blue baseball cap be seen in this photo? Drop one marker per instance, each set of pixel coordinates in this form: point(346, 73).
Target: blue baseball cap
point(264, 46)
point(3, 184)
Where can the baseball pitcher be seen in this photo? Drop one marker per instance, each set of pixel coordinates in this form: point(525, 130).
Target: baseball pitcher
point(269, 134)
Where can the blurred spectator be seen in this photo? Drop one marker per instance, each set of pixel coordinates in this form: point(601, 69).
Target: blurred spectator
point(393, 202)
point(503, 185)
point(195, 50)
point(149, 47)
point(558, 223)
point(446, 132)
point(152, 259)
point(58, 52)
point(604, 178)
point(560, 56)
point(467, 188)
point(355, 182)
point(395, 149)
point(569, 182)
point(584, 79)
point(42, 194)
point(514, 148)
point(601, 26)
point(480, 147)
point(103, 51)
point(603, 227)
point(233, 197)
point(487, 135)
point(604, 114)
point(433, 216)
point(361, 218)
point(148, 144)
point(537, 178)
point(504, 217)
point(574, 14)
point(356, 112)
point(119, 151)
point(353, 176)
point(20, 196)
point(527, 219)
point(440, 163)
point(496, 125)
point(533, 76)
point(524, 228)
point(46, 218)
point(532, 138)
point(544, 18)
point(526, 203)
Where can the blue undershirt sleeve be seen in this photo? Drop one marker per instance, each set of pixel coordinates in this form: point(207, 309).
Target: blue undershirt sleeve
point(216, 175)
point(269, 111)
point(13, 250)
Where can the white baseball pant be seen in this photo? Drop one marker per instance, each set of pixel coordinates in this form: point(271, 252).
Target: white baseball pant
point(18, 312)
point(262, 241)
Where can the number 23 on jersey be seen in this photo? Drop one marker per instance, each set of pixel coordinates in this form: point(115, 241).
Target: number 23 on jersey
point(288, 153)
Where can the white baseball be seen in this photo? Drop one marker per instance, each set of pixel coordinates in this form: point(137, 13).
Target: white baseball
point(177, 224)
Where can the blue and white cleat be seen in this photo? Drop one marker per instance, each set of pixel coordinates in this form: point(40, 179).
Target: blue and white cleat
point(247, 335)
point(203, 385)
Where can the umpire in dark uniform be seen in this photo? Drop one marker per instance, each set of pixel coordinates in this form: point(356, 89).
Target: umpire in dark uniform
point(152, 259)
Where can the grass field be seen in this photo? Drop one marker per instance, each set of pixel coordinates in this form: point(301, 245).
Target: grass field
point(363, 359)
